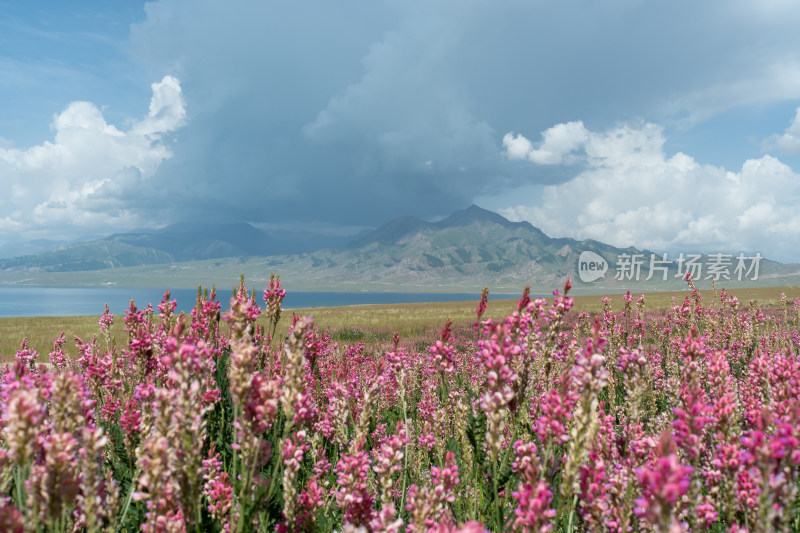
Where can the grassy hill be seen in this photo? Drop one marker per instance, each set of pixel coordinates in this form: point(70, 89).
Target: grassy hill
point(471, 248)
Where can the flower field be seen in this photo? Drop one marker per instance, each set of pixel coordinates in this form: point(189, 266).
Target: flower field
point(547, 420)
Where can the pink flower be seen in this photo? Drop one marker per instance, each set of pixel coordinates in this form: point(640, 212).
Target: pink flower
point(482, 305)
point(273, 297)
point(556, 408)
point(496, 355)
point(25, 355)
point(261, 403)
point(131, 418)
point(533, 512)
point(353, 494)
point(106, 320)
point(58, 358)
point(389, 461)
point(441, 357)
point(664, 480)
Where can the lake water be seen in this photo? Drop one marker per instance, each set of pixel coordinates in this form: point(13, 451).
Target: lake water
point(19, 301)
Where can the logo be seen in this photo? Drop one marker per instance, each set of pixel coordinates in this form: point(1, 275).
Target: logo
point(591, 266)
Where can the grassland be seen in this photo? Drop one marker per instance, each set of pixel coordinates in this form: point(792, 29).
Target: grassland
point(368, 323)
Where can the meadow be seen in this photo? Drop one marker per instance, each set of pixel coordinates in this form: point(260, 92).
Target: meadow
point(372, 324)
point(665, 412)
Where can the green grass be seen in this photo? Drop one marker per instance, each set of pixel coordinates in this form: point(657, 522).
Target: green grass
point(42, 331)
point(355, 323)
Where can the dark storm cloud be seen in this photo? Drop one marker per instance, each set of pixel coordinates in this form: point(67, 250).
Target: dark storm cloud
point(352, 112)
point(348, 113)
point(331, 114)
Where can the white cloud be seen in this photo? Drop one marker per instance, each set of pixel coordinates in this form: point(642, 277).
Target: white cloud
point(9, 224)
point(60, 184)
point(558, 144)
point(774, 79)
point(632, 193)
point(167, 111)
point(789, 142)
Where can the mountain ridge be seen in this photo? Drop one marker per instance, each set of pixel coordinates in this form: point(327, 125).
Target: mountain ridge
point(471, 247)
point(184, 241)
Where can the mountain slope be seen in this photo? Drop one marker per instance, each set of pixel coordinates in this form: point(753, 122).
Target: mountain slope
point(471, 248)
point(187, 241)
point(471, 245)
point(475, 247)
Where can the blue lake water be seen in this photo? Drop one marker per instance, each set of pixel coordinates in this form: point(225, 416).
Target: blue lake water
point(26, 300)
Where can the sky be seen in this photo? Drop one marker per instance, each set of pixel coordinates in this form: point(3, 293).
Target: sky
point(671, 126)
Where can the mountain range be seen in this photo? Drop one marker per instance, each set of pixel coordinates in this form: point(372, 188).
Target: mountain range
point(471, 248)
point(185, 241)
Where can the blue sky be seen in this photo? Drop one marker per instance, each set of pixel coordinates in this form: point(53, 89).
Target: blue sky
point(671, 126)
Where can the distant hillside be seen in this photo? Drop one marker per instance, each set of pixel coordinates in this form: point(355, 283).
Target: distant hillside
point(471, 248)
point(475, 247)
point(31, 247)
point(188, 241)
point(472, 244)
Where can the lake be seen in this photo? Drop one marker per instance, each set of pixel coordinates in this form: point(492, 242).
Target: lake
point(19, 301)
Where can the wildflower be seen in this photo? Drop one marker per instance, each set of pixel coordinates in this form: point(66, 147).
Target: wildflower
point(293, 452)
point(496, 354)
point(131, 418)
point(389, 460)
point(242, 314)
point(663, 482)
point(428, 505)
point(106, 320)
point(386, 520)
point(441, 357)
point(98, 498)
point(555, 406)
point(482, 305)
point(58, 358)
point(217, 488)
point(23, 416)
point(162, 479)
point(260, 403)
point(293, 380)
point(692, 414)
point(53, 484)
point(525, 299)
point(273, 297)
point(353, 496)
point(25, 355)
point(589, 376)
point(10, 517)
point(533, 512)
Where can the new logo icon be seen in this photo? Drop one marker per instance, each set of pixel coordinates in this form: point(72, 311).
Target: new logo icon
point(591, 266)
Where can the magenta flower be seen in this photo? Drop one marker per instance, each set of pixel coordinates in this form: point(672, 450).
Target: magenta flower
point(533, 512)
point(353, 495)
point(663, 480)
point(58, 359)
point(273, 297)
point(217, 488)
